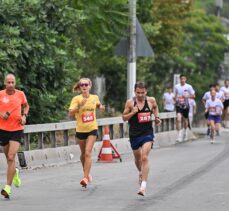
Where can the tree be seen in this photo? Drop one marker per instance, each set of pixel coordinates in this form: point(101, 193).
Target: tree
point(36, 44)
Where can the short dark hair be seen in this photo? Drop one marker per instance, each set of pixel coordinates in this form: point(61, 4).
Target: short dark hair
point(226, 80)
point(182, 75)
point(211, 85)
point(140, 84)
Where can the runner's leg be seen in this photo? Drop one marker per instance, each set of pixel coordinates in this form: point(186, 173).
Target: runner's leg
point(10, 151)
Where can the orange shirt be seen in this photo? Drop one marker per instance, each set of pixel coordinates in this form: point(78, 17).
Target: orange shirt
point(13, 104)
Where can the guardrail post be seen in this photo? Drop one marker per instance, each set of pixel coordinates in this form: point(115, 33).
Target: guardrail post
point(100, 133)
point(40, 140)
point(121, 130)
point(65, 137)
point(111, 131)
point(167, 125)
point(53, 139)
point(27, 141)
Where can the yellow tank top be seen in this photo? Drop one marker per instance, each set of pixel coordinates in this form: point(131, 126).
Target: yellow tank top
point(86, 117)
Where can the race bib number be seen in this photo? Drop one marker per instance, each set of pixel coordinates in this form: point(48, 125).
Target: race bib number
point(89, 117)
point(227, 94)
point(144, 117)
point(212, 109)
point(181, 99)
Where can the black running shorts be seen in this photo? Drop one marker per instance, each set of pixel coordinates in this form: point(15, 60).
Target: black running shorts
point(84, 136)
point(183, 111)
point(6, 136)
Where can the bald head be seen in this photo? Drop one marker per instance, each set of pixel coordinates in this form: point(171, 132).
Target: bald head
point(10, 82)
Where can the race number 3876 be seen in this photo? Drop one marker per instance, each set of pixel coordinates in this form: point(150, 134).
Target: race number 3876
point(89, 117)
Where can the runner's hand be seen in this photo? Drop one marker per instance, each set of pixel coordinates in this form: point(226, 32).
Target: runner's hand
point(101, 107)
point(6, 115)
point(157, 121)
point(23, 120)
point(135, 109)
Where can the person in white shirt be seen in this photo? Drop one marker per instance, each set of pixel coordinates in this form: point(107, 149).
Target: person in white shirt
point(169, 100)
point(225, 90)
point(214, 107)
point(219, 93)
point(183, 92)
point(207, 96)
point(192, 110)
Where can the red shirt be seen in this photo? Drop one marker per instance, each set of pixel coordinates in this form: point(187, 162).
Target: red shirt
point(13, 104)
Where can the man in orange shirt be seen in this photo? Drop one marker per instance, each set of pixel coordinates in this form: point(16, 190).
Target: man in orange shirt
point(14, 109)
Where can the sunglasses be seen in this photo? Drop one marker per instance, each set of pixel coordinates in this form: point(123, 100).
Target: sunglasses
point(86, 85)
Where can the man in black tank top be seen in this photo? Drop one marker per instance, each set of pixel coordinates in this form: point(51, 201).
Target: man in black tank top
point(138, 113)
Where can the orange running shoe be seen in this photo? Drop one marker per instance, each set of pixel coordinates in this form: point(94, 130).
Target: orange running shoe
point(84, 182)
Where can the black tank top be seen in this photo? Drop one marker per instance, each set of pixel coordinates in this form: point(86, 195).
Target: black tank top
point(140, 124)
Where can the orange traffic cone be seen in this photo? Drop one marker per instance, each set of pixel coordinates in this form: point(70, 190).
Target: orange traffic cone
point(107, 151)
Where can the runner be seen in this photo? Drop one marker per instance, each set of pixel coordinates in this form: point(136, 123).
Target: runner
point(138, 112)
point(214, 106)
point(225, 90)
point(13, 112)
point(183, 92)
point(169, 100)
point(83, 108)
point(207, 96)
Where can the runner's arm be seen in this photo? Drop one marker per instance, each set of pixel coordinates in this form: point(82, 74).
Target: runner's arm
point(129, 110)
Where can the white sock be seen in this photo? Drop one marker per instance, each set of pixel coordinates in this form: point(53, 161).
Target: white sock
point(143, 185)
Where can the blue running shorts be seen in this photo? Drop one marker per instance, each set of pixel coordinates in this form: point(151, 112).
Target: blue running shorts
point(140, 141)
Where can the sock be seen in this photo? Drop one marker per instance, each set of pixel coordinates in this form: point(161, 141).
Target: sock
point(143, 185)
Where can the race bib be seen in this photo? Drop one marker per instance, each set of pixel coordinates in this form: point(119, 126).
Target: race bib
point(88, 117)
point(212, 109)
point(181, 99)
point(144, 117)
point(227, 94)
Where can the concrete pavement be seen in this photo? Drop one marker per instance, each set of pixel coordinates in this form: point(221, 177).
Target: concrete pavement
point(188, 176)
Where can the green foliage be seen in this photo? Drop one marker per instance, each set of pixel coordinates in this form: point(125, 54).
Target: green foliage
point(105, 22)
point(38, 42)
point(49, 44)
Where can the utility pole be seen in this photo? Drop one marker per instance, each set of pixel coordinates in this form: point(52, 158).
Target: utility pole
point(131, 67)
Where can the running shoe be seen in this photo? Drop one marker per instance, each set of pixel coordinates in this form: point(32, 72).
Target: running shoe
point(142, 191)
point(89, 178)
point(17, 179)
point(84, 182)
point(212, 141)
point(6, 191)
point(179, 137)
point(186, 135)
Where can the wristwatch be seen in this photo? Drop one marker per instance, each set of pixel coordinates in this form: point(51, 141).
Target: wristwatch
point(26, 115)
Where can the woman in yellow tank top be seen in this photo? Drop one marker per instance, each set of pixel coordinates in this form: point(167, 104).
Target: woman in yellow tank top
point(83, 108)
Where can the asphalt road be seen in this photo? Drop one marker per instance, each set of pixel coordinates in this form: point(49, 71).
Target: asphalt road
point(192, 176)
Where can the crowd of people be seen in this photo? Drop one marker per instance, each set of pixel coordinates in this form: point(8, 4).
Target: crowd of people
point(182, 100)
point(138, 112)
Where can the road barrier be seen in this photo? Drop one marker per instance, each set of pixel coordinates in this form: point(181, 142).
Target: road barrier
point(57, 154)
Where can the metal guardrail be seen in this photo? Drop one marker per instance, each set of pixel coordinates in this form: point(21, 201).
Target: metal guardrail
point(168, 124)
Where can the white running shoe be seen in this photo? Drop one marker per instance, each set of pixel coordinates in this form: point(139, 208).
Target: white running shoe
point(142, 192)
point(179, 137)
point(186, 135)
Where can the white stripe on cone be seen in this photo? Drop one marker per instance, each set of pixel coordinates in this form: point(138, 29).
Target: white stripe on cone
point(106, 137)
point(106, 150)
